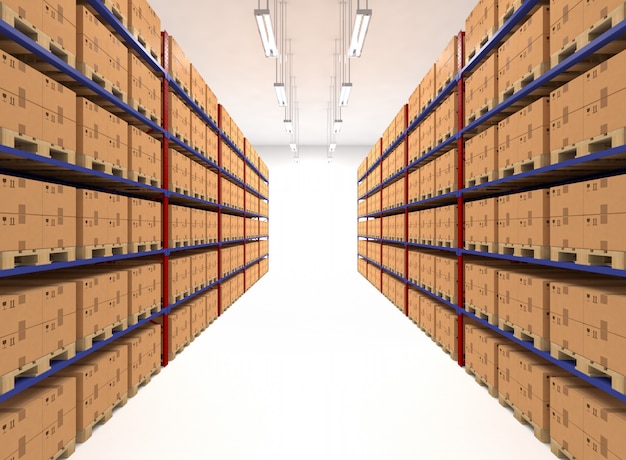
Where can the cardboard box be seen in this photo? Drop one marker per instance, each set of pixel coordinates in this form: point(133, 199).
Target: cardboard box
point(59, 114)
point(567, 114)
point(447, 64)
point(481, 24)
point(567, 23)
point(144, 219)
point(534, 43)
point(480, 221)
point(481, 88)
point(567, 222)
point(481, 155)
point(446, 224)
point(428, 178)
point(446, 276)
point(414, 104)
point(604, 214)
point(144, 87)
point(604, 420)
point(180, 118)
point(179, 65)
point(144, 22)
point(446, 118)
point(428, 133)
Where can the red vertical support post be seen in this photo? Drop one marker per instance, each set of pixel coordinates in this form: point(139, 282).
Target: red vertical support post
point(380, 235)
point(406, 209)
point(461, 202)
point(219, 210)
point(245, 210)
point(165, 181)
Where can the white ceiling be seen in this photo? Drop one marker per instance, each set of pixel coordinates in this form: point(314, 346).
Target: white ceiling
point(404, 39)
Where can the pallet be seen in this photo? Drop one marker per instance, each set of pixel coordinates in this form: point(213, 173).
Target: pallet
point(539, 342)
point(198, 195)
point(481, 179)
point(471, 53)
point(445, 296)
point(144, 179)
point(30, 144)
point(452, 353)
point(523, 166)
point(145, 246)
point(155, 118)
point(66, 451)
point(14, 20)
point(482, 247)
point(85, 434)
point(180, 296)
point(491, 389)
point(134, 318)
point(35, 257)
point(589, 367)
point(156, 54)
point(541, 434)
point(591, 257)
point(94, 164)
point(480, 111)
point(524, 81)
point(85, 343)
point(491, 318)
point(442, 85)
point(36, 368)
point(593, 145)
point(179, 243)
point(611, 20)
point(99, 80)
point(524, 250)
point(445, 190)
point(442, 137)
point(133, 390)
point(180, 190)
point(100, 250)
point(181, 138)
point(559, 451)
point(172, 354)
point(445, 243)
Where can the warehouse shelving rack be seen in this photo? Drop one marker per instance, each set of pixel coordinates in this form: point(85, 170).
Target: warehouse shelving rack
point(587, 167)
point(22, 163)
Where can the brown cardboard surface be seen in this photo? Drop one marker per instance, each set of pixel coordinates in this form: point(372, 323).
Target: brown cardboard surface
point(566, 23)
point(567, 114)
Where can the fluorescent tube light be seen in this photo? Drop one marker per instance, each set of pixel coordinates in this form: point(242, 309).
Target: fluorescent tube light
point(337, 126)
point(281, 95)
point(345, 94)
point(264, 22)
point(361, 24)
point(294, 148)
point(332, 148)
point(288, 126)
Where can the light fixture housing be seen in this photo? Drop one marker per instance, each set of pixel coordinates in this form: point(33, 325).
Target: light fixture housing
point(345, 94)
point(361, 24)
point(288, 126)
point(332, 147)
point(337, 126)
point(294, 147)
point(281, 94)
point(264, 23)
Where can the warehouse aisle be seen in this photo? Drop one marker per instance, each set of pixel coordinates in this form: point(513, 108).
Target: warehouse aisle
point(313, 363)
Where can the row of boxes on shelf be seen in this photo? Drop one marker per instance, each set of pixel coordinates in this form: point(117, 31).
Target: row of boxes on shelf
point(54, 121)
point(578, 420)
point(579, 222)
point(574, 316)
point(48, 419)
point(195, 271)
point(59, 313)
point(432, 178)
point(574, 120)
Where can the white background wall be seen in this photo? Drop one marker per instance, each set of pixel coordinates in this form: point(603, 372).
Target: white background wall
point(313, 363)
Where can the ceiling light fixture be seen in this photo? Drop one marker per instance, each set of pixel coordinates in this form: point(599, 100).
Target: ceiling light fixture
point(337, 126)
point(288, 126)
point(332, 148)
point(361, 24)
point(345, 94)
point(264, 23)
point(281, 94)
point(294, 147)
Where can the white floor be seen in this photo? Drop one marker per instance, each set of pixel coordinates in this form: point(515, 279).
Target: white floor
point(313, 363)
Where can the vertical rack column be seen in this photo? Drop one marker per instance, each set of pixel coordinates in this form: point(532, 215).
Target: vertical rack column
point(380, 212)
point(460, 202)
point(165, 269)
point(405, 136)
point(219, 210)
point(245, 211)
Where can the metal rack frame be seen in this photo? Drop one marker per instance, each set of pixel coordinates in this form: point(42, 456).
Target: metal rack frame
point(58, 172)
point(566, 172)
